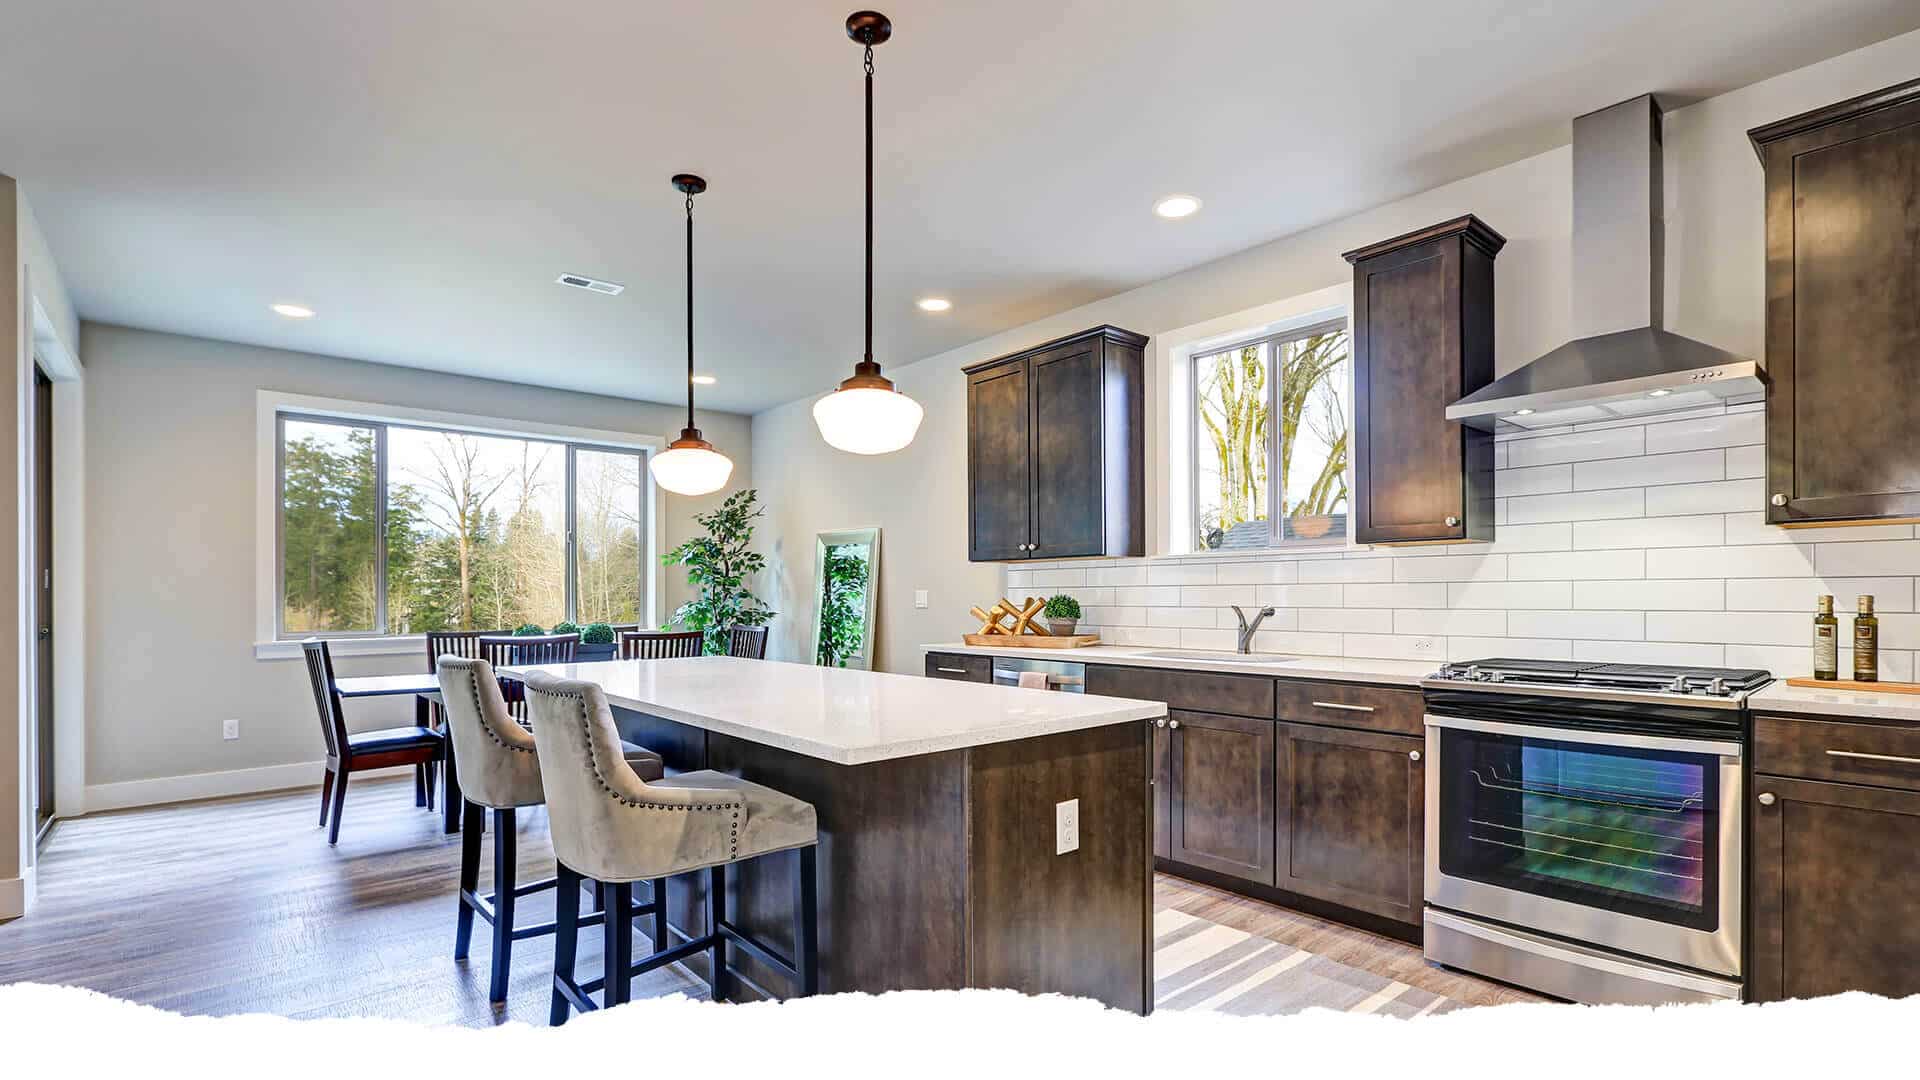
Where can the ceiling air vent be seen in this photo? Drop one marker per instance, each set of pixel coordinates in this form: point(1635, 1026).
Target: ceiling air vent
point(591, 284)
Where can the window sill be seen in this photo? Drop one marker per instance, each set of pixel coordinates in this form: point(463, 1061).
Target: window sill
point(399, 645)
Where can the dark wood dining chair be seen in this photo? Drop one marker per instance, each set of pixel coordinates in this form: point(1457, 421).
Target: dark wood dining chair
point(506, 650)
point(747, 641)
point(354, 752)
point(661, 644)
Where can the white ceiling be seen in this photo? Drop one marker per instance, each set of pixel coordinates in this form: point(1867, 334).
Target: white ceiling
point(420, 171)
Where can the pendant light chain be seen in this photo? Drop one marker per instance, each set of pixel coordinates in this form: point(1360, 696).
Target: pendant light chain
point(869, 69)
point(689, 309)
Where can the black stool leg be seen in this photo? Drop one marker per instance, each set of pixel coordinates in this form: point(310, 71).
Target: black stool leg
point(503, 866)
point(717, 914)
point(566, 937)
point(658, 892)
point(420, 784)
point(599, 896)
point(469, 880)
point(806, 925)
point(617, 935)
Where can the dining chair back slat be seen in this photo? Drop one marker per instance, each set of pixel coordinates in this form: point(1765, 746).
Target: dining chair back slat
point(506, 651)
point(462, 643)
point(661, 644)
point(326, 696)
point(749, 642)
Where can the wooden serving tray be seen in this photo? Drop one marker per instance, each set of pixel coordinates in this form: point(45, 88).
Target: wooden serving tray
point(1862, 687)
point(1031, 641)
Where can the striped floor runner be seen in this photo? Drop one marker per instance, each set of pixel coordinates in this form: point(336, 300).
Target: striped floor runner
point(1202, 965)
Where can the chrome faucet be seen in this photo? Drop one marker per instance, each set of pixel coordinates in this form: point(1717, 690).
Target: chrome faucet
point(1246, 628)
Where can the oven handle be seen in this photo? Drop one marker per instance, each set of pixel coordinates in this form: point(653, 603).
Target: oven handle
point(1602, 738)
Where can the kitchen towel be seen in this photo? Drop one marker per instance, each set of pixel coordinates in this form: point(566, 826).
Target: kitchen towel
point(1033, 680)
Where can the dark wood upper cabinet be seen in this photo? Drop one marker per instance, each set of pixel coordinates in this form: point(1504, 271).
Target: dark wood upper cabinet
point(1056, 450)
point(1843, 309)
point(1422, 339)
point(1350, 818)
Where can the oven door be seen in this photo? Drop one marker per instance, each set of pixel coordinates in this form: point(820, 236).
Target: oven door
point(1622, 840)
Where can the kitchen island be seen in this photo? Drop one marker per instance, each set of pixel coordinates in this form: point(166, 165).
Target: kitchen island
point(937, 803)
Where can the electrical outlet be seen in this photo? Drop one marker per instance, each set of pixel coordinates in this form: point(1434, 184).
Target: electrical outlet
point(920, 598)
point(230, 730)
point(1425, 646)
point(1066, 826)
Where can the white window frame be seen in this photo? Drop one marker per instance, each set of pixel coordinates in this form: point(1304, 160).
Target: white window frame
point(271, 405)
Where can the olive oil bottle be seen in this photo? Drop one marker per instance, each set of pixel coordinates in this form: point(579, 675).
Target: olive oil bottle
point(1826, 641)
point(1866, 643)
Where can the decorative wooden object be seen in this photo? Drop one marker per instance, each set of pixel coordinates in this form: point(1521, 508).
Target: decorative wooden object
point(1849, 684)
point(1022, 632)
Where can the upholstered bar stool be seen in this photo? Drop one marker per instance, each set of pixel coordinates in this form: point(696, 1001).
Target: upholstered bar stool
point(498, 770)
point(613, 826)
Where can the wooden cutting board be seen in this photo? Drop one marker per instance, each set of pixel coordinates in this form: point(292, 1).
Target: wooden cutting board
point(1032, 641)
point(1862, 687)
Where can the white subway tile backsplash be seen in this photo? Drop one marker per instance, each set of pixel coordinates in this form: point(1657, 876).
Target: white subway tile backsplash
point(1726, 496)
point(1706, 529)
point(1633, 541)
point(1650, 595)
point(1570, 565)
point(1687, 468)
point(1593, 625)
point(1510, 594)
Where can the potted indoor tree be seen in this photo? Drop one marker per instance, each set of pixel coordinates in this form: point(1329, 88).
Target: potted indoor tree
point(1062, 614)
point(719, 564)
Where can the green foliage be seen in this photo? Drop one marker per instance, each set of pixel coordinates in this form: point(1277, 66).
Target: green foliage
point(597, 634)
point(528, 630)
point(564, 627)
point(719, 564)
point(843, 604)
point(1063, 607)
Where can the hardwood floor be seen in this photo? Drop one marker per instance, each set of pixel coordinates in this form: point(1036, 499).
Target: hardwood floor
point(238, 905)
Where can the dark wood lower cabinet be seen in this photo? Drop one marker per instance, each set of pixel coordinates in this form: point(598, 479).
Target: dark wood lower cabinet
point(963, 667)
point(1836, 889)
point(1350, 820)
point(1220, 812)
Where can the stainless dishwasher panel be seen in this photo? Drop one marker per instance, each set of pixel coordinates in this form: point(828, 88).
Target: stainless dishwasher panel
point(1062, 676)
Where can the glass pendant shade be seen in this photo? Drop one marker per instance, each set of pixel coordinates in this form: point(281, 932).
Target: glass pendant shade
point(867, 419)
point(691, 466)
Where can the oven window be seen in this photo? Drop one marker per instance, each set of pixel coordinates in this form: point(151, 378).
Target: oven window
point(1626, 830)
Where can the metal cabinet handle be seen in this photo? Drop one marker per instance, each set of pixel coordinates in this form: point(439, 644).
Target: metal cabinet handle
point(1766, 798)
point(1778, 499)
point(1173, 724)
point(1895, 758)
point(1162, 722)
point(1452, 521)
point(1413, 755)
point(952, 670)
point(1343, 705)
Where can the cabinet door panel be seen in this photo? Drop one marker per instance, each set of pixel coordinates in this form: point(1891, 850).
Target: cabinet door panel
point(1350, 818)
point(1068, 493)
point(1407, 369)
point(1836, 890)
point(1222, 806)
point(998, 473)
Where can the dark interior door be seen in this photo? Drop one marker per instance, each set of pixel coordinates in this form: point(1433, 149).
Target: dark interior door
point(42, 533)
point(998, 463)
point(1069, 500)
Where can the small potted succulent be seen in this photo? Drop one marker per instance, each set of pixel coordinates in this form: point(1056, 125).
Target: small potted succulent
point(596, 642)
point(1062, 614)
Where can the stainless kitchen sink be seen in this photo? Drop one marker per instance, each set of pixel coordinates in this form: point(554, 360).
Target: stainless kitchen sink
point(1220, 657)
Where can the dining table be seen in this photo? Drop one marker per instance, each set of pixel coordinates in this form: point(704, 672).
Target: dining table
point(424, 686)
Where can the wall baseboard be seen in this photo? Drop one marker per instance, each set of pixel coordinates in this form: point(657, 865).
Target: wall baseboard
point(172, 789)
point(16, 895)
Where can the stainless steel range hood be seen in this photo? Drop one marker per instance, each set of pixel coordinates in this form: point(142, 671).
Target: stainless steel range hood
point(1621, 363)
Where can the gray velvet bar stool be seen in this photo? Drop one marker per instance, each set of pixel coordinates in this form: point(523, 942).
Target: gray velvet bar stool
point(498, 771)
point(613, 826)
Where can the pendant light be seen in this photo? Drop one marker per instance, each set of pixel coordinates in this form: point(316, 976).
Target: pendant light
point(866, 415)
point(690, 465)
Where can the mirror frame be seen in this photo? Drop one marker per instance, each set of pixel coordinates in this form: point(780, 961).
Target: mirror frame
point(862, 660)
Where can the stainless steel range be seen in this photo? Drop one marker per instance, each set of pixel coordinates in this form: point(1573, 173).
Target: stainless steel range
point(1584, 826)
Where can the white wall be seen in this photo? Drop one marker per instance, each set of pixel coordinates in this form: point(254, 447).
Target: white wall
point(918, 497)
point(170, 426)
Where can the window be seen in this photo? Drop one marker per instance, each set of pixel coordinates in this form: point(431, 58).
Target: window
point(390, 529)
point(1270, 440)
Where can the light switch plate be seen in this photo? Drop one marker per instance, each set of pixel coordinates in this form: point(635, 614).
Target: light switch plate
point(920, 598)
point(1066, 826)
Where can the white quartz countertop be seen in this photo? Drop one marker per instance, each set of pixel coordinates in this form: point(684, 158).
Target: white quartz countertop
point(841, 715)
point(1336, 668)
point(1779, 697)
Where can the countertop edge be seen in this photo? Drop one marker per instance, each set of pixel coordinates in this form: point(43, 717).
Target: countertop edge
point(1779, 698)
point(1397, 673)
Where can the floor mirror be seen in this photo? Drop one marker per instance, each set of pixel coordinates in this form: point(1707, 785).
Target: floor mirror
point(846, 578)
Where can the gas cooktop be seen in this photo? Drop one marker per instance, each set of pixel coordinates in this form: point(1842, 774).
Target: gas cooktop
point(1503, 673)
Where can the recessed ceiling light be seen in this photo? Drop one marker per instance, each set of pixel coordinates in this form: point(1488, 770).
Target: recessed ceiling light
point(1658, 393)
point(293, 311)
point(704, 380)
point(934, 303)
point(1176, 206)
point(1523, 412)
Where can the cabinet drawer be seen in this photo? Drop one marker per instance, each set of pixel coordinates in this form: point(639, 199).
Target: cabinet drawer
point(1204, 691)
point(961, 666)
point(1371, 708)
point(1837, 750)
